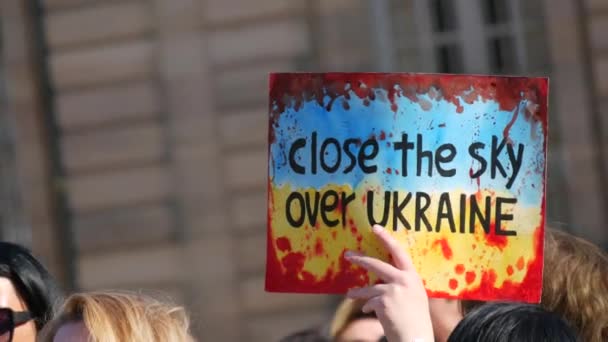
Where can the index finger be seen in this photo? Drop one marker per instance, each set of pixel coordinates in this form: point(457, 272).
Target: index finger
point(401, 258)
point(385, 271)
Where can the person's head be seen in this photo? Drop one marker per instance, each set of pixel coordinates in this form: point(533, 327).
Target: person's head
point(506, 322)
point(117, 316)
point(28, 294)
point(575, 284)
point(350, 324)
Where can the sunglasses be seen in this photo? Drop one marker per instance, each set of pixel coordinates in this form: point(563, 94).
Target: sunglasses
point(9, 320)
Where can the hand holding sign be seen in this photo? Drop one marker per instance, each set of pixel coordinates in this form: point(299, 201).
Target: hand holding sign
point(401, 303)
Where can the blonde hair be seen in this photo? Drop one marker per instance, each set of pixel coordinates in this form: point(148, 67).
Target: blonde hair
point(113, 316)
point(347, 312)
point(575, 284)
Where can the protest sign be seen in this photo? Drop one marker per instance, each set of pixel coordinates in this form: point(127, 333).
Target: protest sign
point(453, 166)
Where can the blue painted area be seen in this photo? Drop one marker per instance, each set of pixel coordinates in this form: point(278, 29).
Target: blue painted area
point(439, 125)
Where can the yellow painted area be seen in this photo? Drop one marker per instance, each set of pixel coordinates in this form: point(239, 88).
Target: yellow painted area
point(469, 250)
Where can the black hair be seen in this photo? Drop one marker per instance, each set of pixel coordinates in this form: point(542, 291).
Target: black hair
point(505, 322)
point(33, 283)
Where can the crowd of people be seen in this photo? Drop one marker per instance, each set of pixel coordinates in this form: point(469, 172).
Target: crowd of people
point(574, 305)
point(32, 308)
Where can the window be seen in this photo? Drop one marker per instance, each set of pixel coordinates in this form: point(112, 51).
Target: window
point(495, 11)
point(474, 36)
point(449, 58)
point(442, 14)
point(501, 54)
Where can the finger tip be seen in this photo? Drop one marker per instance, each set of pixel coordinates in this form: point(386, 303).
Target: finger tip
point(377, 229)
point(350, 254)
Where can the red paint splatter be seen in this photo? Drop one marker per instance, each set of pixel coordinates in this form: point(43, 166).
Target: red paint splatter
point(364, 198)
point(382, 135)
point(292, 89)
point(520, 263)
point(529, 290)
point(319, 250)
point(389, 170)
point(470, 277)
point(510, 270)
point(283, 244)
point(293, 262)
point(459, 269)
point(477, 179)
point(453, 284)
point(445, 248)
point(339, 206)
point(307, 276)
point(334, 234)
point(499, 241)
point(288, 275)
point(425, 104)
point(490, 276)
point(396, 172)
point(505, 132)
point(353, 228)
